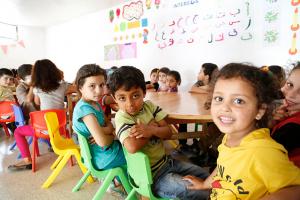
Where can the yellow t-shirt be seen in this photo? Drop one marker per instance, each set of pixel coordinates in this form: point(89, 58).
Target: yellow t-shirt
point(257, 167)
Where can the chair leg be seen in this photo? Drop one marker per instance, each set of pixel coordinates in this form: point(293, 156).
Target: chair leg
point(56, 171)
point(82, 167)
point(53, 166)
point(81, 181)
point(6, 129)
point(124, 181)
point(13, 146)
point(35, 146)
point(105, 184)
point(131, 195)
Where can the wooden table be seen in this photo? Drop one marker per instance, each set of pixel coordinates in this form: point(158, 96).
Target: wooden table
point(183, 107)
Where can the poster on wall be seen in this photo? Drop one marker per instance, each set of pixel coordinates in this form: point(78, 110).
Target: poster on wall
point(111, 52)
point(120, 51)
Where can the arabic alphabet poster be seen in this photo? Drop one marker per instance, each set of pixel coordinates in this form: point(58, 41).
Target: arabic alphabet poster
point(199, 22)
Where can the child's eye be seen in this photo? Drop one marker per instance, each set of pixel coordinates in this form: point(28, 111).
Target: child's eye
point(92, 86)
point(102, 85)
point(289, 84)
point(238, 101)
point(218, 99)
point(136, 96)
point(121, 98)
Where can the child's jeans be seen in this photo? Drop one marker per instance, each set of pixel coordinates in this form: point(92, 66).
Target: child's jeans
point(21, 141)
point(168, 181)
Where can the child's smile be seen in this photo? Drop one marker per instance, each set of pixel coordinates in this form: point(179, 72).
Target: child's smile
point(234, 107)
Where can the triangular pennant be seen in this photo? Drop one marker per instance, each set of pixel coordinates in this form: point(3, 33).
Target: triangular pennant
point(21, 43)
point(4, 48)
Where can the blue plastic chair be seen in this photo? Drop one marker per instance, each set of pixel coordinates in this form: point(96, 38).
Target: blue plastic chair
point(20, 121)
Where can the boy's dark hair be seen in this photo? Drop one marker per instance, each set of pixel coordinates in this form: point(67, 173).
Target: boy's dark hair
point(87, 71)
point(208, 69)
point(127, 77)
point(14, 71)
point(45, 75)
point(278, 72)
point(155, 70)
point(164, 70)
point(262, 83)
point(24, 70)
point(114, 67)
point(176, 75)
point(5, 71)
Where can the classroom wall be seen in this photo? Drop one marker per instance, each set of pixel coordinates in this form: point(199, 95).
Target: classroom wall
point(94, 38)
point(29, 48)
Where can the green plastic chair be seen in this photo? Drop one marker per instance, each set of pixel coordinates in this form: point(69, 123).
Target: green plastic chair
point(107, 175)
point(140, 175)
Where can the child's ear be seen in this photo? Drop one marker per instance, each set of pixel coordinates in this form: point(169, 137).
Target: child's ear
point(261, 111)
point(206, 78)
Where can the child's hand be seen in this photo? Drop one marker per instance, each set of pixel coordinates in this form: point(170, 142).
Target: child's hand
point(140, 131)
point(280, 112)
point(292, 109)
point(153, 123)
point(195, 183)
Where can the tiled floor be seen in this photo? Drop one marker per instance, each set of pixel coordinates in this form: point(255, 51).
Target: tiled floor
point(25, 185)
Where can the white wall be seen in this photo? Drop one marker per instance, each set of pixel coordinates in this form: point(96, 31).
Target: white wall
point(81, 41)
point(34, 41)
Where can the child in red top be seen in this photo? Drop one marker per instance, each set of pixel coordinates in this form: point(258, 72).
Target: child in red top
point(287, 129)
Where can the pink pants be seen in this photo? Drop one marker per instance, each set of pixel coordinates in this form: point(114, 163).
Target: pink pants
point(21, 141)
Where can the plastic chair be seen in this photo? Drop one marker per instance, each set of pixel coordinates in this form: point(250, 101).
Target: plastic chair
point(6, 114)
point(140, 175)
point(63, 147)
point(108, 175)
point(20, 121)
point(40, 129)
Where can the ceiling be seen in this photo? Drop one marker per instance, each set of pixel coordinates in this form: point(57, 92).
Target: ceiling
point(49, 12)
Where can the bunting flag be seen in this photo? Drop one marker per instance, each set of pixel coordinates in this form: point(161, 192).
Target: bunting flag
point(21, 43)
point(5, 47)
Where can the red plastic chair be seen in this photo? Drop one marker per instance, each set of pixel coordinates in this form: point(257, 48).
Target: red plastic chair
point(6, 114)
point(40, 129)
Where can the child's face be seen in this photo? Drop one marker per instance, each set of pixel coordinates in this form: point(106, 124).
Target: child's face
point(234, 107)
point(291, 88)
point(6, 80)
point(93, 88)
point(154, 77)
point(171, 82)
point(162, 77)
point(130, 101)
point(202, 77)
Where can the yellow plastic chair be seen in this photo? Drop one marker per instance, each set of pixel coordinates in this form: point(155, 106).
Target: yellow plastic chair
point(63, 147)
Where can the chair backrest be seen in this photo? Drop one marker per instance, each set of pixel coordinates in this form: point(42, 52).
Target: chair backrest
point(139, 171)
point(39, 124)
point(53, 127)
point(6, 111)
point(85, 152)
point(19, 117)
